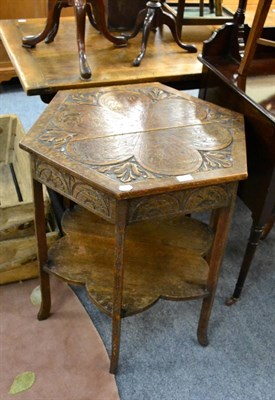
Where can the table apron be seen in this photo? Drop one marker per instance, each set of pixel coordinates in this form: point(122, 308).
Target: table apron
point(168, 204)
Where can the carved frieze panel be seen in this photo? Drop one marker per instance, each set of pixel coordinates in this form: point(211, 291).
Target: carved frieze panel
point(182, 202)
point(69, 186)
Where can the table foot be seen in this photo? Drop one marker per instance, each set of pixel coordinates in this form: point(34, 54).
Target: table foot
point(41, 316)
point(232, 300)
point(85, 70)
point(204, 320)
point(202, 338)
point(29, 42)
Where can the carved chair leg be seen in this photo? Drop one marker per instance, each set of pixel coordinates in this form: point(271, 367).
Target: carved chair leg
point(31, 41)
point(40, 229)
point(80, 15)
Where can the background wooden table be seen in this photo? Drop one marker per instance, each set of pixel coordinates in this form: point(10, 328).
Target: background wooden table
point(49, 68)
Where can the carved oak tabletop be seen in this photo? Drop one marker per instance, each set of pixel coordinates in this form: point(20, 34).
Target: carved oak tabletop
point(137, 156)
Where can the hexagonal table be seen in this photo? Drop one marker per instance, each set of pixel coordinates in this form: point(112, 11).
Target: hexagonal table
point(137, 161)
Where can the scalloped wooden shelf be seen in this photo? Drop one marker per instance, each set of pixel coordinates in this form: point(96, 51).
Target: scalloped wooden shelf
point(163, 259)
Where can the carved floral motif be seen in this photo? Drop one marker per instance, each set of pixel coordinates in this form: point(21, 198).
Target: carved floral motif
point(84, 194)
point(187, 201)
point(111, 132)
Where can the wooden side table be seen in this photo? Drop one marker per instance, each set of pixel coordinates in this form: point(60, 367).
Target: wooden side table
point(138, 157)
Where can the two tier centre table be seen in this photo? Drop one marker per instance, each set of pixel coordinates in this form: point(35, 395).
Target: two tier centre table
point(138, 162)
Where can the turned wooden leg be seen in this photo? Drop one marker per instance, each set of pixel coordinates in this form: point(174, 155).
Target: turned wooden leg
point(220, 223)
point(238, 31)
point(118, 283)
point(40, 229)
point(80, 15)
point(31, 41)
point(254, 239)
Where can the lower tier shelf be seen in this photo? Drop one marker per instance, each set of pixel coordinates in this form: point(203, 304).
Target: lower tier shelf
point(162, 259)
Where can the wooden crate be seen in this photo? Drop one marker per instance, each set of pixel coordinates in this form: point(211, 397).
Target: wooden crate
point(17, 237)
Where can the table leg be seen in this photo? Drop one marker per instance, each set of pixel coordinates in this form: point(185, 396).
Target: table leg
point(147, 26)
point(80, 15)
point(31, 41)
point(120, 228)
point(220, 222)
point(56, 18)
point(254, 240)
point(156, 17)
point(42, 251)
